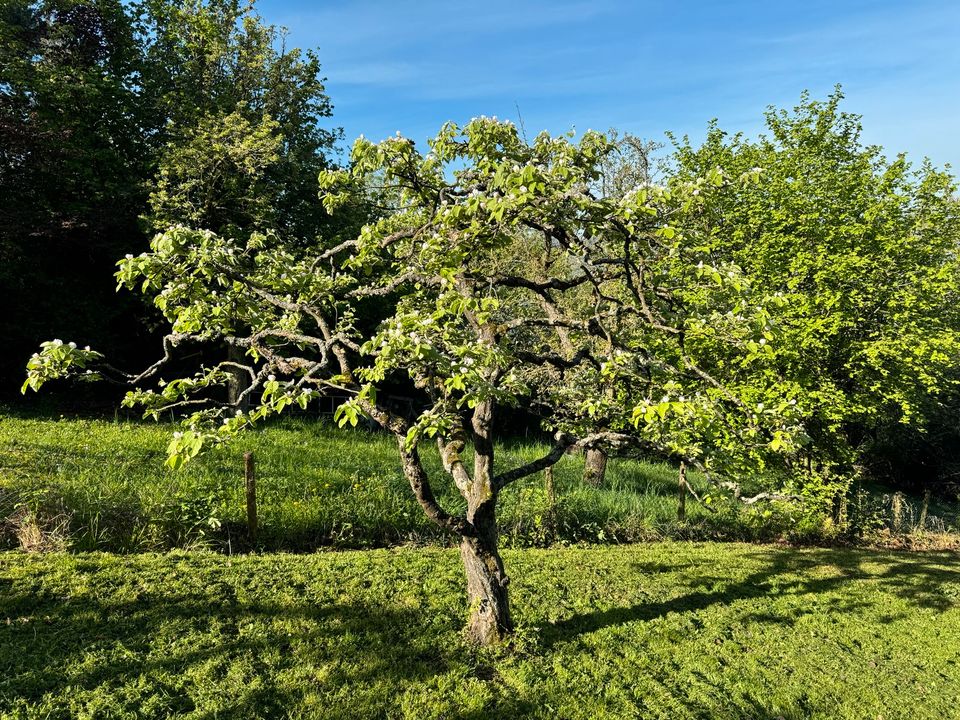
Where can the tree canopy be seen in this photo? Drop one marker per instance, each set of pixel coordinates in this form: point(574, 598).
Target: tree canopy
point(863, 251)
point(617, 312)
point(120, 119)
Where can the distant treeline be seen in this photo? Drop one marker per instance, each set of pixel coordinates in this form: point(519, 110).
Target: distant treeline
point(118, 119)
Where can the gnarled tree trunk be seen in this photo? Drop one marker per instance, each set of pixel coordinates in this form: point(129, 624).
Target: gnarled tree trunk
point(487, 581)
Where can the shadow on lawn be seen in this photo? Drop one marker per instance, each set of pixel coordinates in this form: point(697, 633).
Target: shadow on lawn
point(172, 643)
point(360, 656)
point(924, 580)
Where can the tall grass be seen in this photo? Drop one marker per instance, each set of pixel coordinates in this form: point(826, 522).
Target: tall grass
point(100, 485)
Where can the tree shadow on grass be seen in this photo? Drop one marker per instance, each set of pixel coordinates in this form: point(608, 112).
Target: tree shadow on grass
point(928, 580)
point(772, 587)
point(352, 658)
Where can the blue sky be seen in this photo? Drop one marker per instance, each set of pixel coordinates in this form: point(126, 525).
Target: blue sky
point(645, 67)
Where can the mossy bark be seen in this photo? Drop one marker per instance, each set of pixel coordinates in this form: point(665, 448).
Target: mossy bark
point(594, 467)
point(487, 581)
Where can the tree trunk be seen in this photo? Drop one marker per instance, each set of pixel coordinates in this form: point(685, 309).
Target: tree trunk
point(922, 524)
point(594, 467)
point(487, 581)
point(239, 380)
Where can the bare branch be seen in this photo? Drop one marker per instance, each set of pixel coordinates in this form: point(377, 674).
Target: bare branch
point(561, 441)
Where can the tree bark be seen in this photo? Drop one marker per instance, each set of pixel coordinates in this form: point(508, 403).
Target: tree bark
point(922, 524)
point(594, 467)
point(487, 581)
point(239, 381)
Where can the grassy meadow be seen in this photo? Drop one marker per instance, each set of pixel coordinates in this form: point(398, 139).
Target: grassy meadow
point(86, 485)
point(661, 630)
point(101, 485)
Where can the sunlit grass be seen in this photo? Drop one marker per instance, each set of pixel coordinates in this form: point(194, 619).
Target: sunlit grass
point(662, 630)
point(317, 485)
point(103, 486)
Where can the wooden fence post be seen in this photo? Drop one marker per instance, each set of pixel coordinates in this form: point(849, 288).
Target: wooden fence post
point(896, 510)
point(251, 487)
point(551, 519)
point(682, 493)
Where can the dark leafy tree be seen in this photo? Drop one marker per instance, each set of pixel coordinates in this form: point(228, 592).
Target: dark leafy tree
point(73, 159)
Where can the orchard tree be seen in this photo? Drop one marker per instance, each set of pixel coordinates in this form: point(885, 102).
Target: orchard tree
point(512, 283)
point(863, 250)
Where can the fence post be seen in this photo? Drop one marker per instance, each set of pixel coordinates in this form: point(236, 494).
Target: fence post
point(551, 523)
point(682, 493)
point(923, 512)
point(896, 508)
point(251, 488)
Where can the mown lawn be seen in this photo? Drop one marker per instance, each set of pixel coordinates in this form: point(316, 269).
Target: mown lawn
point(665, 630)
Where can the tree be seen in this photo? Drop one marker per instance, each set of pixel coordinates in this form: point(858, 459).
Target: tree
point(863, 251)
point(627, 166)
point(121, 119)
point(73, 160)
point(243, 139)
point(619, 285)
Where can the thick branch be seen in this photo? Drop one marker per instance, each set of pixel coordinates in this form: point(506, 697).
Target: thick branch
point(415, 473)
point(119, 377)
point(450, 451)
point(420, 484)
point(561, 441)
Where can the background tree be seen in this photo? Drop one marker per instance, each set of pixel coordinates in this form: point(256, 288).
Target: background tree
point(473, 334)
point(629, 165)
point(226, 82)
point(74, 152)
point(863, 251)
point(193, 113)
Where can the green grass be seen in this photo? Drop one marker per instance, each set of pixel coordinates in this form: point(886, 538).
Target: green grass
point(663, 630)
point(104, 486)
point(100, 485)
